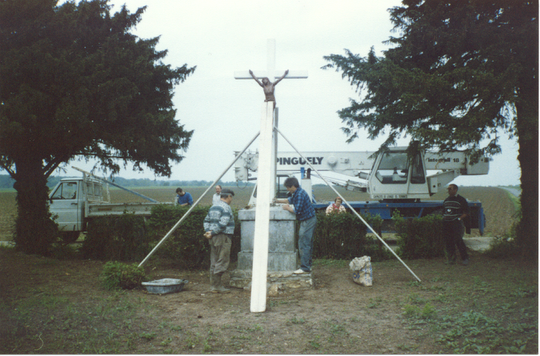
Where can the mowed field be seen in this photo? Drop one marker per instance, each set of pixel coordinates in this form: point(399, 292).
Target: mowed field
point(498, 205)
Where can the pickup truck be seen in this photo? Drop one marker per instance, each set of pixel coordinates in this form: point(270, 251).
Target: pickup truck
point(76, 201)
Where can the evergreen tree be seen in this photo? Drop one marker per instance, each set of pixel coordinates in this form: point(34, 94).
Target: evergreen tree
point(74, 82)
point(460, 71)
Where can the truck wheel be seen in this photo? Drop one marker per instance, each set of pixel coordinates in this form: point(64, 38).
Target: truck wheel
point(69, 236)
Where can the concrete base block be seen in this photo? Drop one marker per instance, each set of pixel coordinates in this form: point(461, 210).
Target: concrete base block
point(277, 261)
point(277, 281)
point(283, 257)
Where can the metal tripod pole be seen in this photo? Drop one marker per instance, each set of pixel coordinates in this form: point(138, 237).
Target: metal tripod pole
point(350, 207)
point(196, 203)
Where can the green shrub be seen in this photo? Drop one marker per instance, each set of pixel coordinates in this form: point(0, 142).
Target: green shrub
point(116, 275)
point(503, 248)
point(121, 238)
point(187, 244)
point(63, 251)
point(343, 236)
point(419, 237)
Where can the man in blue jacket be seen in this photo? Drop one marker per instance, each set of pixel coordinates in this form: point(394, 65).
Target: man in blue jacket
point(183, 198)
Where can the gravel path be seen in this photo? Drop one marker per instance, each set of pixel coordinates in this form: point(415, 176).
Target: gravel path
point(515, 191)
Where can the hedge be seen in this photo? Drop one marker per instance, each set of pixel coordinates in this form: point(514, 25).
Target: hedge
point(419, 237)
point(337, 236)
point(187, 246)
point(343, 236)
point(121, 238)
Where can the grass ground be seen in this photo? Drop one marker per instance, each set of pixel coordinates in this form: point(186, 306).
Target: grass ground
point(50, 306)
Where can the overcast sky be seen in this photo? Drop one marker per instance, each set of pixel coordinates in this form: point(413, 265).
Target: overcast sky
point(221, 37)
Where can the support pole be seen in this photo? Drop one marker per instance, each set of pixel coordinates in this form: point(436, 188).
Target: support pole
point(350, 207)
point(116, 185)
point(196, 203)
point(262, 212)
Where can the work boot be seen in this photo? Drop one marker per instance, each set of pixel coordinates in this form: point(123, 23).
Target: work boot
point(214, 279)
point(219, 285)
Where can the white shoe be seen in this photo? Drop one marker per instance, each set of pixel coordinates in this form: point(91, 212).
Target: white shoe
point(300, 271)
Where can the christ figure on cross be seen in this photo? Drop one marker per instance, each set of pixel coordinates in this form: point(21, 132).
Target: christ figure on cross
point(268, 86)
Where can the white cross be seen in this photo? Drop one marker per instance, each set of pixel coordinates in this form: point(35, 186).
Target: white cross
point(271, 72)
point(266, 181)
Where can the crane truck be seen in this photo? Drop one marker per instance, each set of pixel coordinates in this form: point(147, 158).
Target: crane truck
point(393, 180)
point(74, 202)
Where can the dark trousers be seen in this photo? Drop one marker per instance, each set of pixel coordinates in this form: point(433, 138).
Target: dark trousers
point(220, 253)
point(453, 236)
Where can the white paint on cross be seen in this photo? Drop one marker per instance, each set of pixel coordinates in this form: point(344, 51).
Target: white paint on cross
point(266, 181)
point(271, 73)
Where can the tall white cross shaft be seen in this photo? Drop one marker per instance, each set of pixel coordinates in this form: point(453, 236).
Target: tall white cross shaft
point(262, 212)
point(266, 180)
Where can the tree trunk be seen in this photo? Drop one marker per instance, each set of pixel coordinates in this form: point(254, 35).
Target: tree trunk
point(527, 232)
point(34, 231)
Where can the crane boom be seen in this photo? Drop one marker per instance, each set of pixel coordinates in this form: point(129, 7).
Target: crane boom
point(394, 180)
point(392, 175)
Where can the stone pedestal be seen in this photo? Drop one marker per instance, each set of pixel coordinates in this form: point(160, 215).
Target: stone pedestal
point(282, 254)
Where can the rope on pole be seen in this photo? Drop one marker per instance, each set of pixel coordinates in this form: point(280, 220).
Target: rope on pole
point(350, 207)
point(196, 203)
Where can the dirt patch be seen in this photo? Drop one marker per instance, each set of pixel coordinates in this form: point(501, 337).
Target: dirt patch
point(52, 306)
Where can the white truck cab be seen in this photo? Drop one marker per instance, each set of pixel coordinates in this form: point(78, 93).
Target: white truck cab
point(68, 202)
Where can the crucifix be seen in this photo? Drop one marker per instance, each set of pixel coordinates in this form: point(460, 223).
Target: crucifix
point(266, 177)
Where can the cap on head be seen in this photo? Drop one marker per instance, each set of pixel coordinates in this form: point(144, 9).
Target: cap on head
point(226, 192)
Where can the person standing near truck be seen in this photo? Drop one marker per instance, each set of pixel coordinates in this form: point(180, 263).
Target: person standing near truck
point(219, 228)
point(456, 213)
point(183, 198)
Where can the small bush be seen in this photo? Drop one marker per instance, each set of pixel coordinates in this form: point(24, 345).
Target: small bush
point(502, 248)
point(419, 238)
point(116, 275)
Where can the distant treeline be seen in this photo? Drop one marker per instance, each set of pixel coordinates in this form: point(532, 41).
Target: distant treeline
point(6, 182)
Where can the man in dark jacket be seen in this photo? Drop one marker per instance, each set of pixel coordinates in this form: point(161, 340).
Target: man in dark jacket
point(300, 204)
point(456, 212)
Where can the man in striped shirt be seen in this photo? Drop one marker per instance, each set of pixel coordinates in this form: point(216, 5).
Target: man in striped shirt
point(456, 210)
point(300, 204)
point(219, 228)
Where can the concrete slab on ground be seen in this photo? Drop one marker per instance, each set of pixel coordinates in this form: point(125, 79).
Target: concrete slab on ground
point(479, 244)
